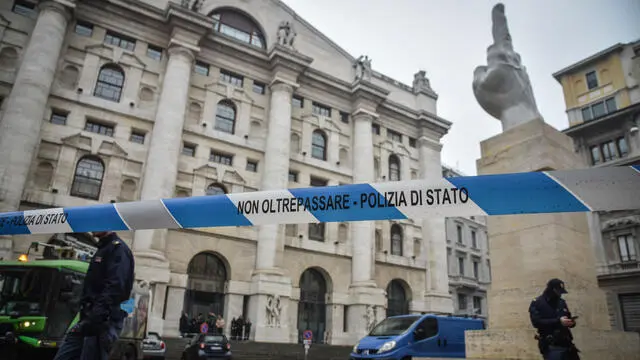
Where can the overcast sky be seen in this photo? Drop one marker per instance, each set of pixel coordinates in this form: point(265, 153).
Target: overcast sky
point(448, 39)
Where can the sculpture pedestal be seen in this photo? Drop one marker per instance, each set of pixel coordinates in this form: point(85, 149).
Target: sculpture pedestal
point(528, 250)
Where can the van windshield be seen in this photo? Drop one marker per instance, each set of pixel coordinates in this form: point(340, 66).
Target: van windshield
point(394, 326)
point(25, 291)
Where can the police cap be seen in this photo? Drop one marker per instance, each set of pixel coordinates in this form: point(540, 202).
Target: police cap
point(556, 284)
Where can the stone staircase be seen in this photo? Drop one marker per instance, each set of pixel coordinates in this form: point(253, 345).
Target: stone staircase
point(248, 350)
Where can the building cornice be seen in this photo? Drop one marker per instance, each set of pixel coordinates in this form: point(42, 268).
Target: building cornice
point(575, 66)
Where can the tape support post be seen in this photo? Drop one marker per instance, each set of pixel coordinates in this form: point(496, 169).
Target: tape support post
point(602, 189)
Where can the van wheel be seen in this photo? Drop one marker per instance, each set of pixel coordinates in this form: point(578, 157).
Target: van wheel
point(406, 358)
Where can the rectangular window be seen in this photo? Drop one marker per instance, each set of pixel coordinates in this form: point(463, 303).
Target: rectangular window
point(231, 78)
point(291, 230)
point(344, 117)
point(586, 114)
point(297, 101)
point(24, 8)
point(461, 266)
point(627, 248)
point(258, 88)
point(98, 128)
point(459, 233)
point(119, 40)
point(293, 176)
point(59, 117)
point(221, 158)
point(598, 110)
point(154, 52)
point(477, 305)
point(316, 232)
point(476, 270)
point(316, 182)
point(201, 68)
point(489, 269)
point(84, 29)
point(412, 142)
point(345, 312)
point(188, 149)
point(609, 151)
point(623, 149)
point(321, 110)
point(611, 105)
point(137, 137)
point(394, 136)
point(592, 80)
point(474, 239)
point(252, 166)
point(375, 129)
point(595, 155)
point(462, 302)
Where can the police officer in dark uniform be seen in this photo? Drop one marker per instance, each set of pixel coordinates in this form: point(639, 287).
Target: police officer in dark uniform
point(551, 317)
point(108, 283)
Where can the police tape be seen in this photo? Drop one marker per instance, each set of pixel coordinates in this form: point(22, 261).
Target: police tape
point(602, 189)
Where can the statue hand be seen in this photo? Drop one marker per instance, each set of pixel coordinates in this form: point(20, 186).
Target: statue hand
point(502, 88)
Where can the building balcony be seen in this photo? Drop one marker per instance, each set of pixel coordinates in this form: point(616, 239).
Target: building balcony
point(620, 268)
point(464, 281)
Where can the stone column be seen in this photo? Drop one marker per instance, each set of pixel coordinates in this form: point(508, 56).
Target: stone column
point(25, 108)
point(362, 232)
point(161, 169)
point(268, 279)
point(434, 235)
point(276, 166)
point(363, 291)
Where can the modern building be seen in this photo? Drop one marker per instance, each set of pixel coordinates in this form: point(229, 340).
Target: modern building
point(468, 261)
point(124, 100)
point(602, 95)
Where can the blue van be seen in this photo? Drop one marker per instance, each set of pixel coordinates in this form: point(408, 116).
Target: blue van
point(406, 336)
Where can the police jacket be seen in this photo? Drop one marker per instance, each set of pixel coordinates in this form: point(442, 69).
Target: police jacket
point(545, 312)
point(109, 281)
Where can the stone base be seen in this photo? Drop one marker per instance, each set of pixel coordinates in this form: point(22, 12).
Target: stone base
point(6, 248)
point(264, 284)
point(366, 309)
point(507, 344)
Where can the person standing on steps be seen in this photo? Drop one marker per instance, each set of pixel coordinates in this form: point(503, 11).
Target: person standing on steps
point(108, 283)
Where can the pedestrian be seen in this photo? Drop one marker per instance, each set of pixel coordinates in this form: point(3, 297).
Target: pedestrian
point(107, 284)
point(551, 317)
point(220, 325)
point(247, 329)
point(184, 324)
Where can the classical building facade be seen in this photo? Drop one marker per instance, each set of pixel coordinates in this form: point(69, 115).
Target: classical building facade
point(125, 100)
point(468, 261)
point(602, 95)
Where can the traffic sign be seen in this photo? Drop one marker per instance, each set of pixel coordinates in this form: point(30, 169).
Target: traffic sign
point(204, 328)
point(307, 334)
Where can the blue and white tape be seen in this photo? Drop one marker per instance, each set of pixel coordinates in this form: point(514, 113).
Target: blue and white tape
point(603, 189)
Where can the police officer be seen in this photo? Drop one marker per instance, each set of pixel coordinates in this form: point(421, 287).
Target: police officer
point(551, 317)
point(108, 283)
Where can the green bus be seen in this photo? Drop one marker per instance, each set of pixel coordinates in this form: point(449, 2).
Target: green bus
point(40, 302)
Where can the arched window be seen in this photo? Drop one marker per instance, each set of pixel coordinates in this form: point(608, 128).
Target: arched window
point(87, 180)
point(206, 285)
point(238, 26)
point(215, 189)
point(396, 240)
point(226, 117)
point(397, 299)
point(110, 83)
point(394, 168)
point(319, 145)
